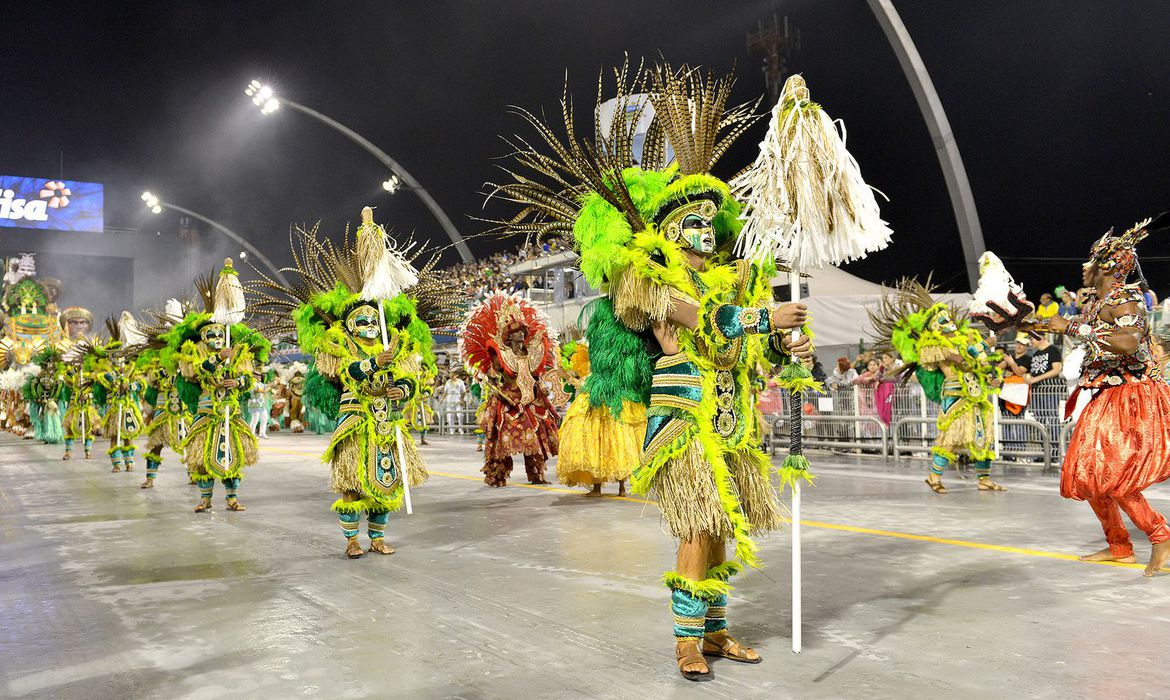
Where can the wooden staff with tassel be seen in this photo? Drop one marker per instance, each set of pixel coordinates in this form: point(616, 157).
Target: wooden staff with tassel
point(806, 203)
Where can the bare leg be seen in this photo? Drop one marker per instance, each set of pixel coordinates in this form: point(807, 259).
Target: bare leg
point(596, 492)
point(621, 487)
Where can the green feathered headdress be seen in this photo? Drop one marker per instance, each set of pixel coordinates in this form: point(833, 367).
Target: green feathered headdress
point(189, 328)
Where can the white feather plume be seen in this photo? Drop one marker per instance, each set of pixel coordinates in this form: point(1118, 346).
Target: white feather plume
point(386, 273)
point(174, 311)
point(128, 329)
point(805, 201)
point(995, 283)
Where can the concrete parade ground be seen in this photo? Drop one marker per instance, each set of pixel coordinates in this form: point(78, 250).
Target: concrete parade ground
point(110, 591)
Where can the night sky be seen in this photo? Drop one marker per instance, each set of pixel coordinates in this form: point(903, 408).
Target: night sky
point(1060, 108)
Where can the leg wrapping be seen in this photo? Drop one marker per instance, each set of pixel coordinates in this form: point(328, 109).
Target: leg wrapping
point(350, 523)
point(376, 523)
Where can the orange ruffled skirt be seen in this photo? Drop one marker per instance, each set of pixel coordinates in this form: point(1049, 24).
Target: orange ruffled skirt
point(1121, 444)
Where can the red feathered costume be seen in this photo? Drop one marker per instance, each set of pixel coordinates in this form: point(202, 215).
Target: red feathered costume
point(518, 417)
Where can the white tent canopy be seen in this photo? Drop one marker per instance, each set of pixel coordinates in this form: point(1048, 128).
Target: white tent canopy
point(838, 303)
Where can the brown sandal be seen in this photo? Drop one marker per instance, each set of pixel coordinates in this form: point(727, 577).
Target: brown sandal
point(687, 653)
point(204, 506)
point(724, 645)
point(235, 505)
point(379, 545)
point(936, 486)
point(353, 550)
point(986, 484)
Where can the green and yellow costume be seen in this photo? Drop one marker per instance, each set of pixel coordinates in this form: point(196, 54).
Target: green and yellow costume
point(365, 375)
point(81, 420)
point(119, 384)
point(955, 366)
point(44, 392)
point(212, 358)
point(656, 231)
point(169, 418)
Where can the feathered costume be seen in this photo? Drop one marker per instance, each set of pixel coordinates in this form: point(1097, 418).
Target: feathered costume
point(956, 368)
point(170, 416)
point(119, 384)
point(518, 417)
point(81, 420)
point(595, 446)
point(206, 363)
point(44, 392)
point(1121, 443)
point(365, 374)
point(640, 222)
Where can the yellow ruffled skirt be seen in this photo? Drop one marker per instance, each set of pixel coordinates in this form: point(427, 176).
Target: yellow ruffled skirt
point(597, 448)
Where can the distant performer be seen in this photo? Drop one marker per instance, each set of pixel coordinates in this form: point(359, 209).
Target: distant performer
point(508, 340)
point(216, 355)
point(1121, 444)
point(956, 368)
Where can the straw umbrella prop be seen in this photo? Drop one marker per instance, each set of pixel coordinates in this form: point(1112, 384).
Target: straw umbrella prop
point(805, 204)
point(385, 274)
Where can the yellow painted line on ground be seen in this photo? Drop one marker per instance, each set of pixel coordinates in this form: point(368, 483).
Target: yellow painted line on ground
point(812, 523)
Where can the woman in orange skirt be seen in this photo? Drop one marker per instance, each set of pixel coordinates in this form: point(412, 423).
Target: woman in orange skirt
point(1121, 444)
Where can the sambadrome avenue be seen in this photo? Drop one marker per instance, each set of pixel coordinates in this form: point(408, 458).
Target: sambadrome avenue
point(778, 349)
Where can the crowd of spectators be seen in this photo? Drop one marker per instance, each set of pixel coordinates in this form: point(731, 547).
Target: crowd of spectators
point(479, 278)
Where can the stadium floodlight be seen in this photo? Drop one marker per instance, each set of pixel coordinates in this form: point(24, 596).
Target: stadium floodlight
point(156, 205)
point(264, 97)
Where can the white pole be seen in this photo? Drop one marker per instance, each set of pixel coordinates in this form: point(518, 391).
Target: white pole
point(404, 471)
point(227, 427)
point(794, 287)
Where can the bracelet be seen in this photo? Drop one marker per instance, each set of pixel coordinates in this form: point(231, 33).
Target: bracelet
point(755, 320)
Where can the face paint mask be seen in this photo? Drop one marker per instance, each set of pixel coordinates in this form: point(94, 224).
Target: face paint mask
point(690, 226)
point(363, 322)
point(213, 336)
point(698, 234)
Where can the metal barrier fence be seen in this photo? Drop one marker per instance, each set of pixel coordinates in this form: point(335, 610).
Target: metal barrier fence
point(897, 420)
point(884, 419)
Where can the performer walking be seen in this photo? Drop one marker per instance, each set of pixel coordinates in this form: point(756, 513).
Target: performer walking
point(169, 419)
point(216, 353)
point(81, 418)
point(1121, 444)
point(508, 340)
point(596, 448)
point(119, 386)
point(686, 323)
point(956, 369)
point(350, 311)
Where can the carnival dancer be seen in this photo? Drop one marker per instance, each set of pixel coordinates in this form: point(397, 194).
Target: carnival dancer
point(118, 388)
point(595, 447)
point(81, 420)
point(217, 353)
point(169, 414)
point(1121, 444)
point(508, 340)
point(355, 309)
point(686, 324)
point(44, 394)
point(956, 368)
